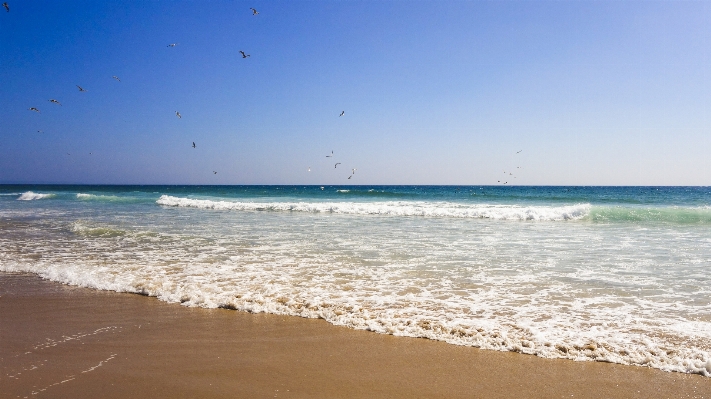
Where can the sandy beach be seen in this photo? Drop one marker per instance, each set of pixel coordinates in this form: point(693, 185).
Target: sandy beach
point(61, 341)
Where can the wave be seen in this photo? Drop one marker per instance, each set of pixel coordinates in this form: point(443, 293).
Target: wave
point(394, 208)
point(30, 196)
point(88, 230)
point(413, 318)
point(681, 215)
point(105, 198)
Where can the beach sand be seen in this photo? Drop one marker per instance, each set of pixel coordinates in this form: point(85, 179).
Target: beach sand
point(58, 341)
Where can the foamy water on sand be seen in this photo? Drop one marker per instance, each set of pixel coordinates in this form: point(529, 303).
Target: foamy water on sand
point(606, 274)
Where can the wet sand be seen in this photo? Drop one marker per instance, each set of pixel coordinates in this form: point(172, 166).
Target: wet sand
point(59, 341)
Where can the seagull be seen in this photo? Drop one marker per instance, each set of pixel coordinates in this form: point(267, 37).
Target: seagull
point(342, 113)
point(309, 169)
point(337, 165)
point(80, 88)
point(244, 55)
point(321, 188)
point(55, 101)
point(254, 12)
point(116, 77)
point(34, 109)
point(40, 131)
point(349, 177)
point(178, 115)
point(7, 7)
point(193, 144)
point(518, 151)
point(330, 156)
point(172, 45)
point(214, 172)
point(354, 169)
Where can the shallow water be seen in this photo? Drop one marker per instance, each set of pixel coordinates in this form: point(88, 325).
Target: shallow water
point(587, 273)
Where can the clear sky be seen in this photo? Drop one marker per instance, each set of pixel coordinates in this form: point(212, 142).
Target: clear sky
point(445, 92)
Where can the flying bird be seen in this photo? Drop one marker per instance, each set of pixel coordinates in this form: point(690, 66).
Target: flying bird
point(342, 113)
point(116, 77)
point(7, 7)
point(178, 115)
point(309, 169)
point(193, 144)
point(254, 12)
point(53, 101)
point(349, 177)
point(34, 109)
point(330, 156)
point(172, 45)
point(213, 172)
point(337, 165)
point(80, 88)
point(40, 131)
point(354, 169)
point(244, 55)
point(518, 151)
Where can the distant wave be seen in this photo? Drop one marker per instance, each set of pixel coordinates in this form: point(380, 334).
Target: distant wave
point(395, 208)
point(29, 196)
point(105, 198)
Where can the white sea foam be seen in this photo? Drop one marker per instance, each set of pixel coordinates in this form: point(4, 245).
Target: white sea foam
point(394, 208)
point(29, 196)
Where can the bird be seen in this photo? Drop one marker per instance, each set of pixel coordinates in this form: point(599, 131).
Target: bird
point(7, 7)
point(354, 169)
point(349, 177)
point(254, 12)
point(338, 163)
point(55, 101)
point(178, 115)
point(213, 172)
point(116, 77)
point(309, 169)
point(342, 113)
point(172, 45)
point(80, 88)
point(40, 131)
point(330, 156)
point(518, 151)
point(34, 109)
point(194, 144)
point(244, 55)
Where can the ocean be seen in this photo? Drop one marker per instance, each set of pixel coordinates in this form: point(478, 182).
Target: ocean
point(613, 274)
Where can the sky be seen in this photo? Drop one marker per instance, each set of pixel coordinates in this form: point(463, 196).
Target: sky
point(434, 92)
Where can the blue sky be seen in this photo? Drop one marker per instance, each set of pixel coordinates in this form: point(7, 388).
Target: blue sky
point(446, 92)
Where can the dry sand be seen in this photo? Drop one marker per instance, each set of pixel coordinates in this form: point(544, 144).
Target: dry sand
point(66, 342)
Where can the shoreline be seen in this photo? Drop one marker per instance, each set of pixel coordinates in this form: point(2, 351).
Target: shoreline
point(65, 341)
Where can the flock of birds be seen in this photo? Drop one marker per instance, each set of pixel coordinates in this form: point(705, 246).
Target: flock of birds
point(511, 174)
point(177, 113)
point(179, 116)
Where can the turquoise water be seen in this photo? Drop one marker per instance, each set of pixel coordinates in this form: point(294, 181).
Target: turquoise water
point(618, 274)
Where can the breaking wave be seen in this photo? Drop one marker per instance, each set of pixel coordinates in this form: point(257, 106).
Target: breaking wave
point(394, 208)
point(30, 196)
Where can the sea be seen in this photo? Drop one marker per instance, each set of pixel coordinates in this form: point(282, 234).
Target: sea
point(611, 274)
